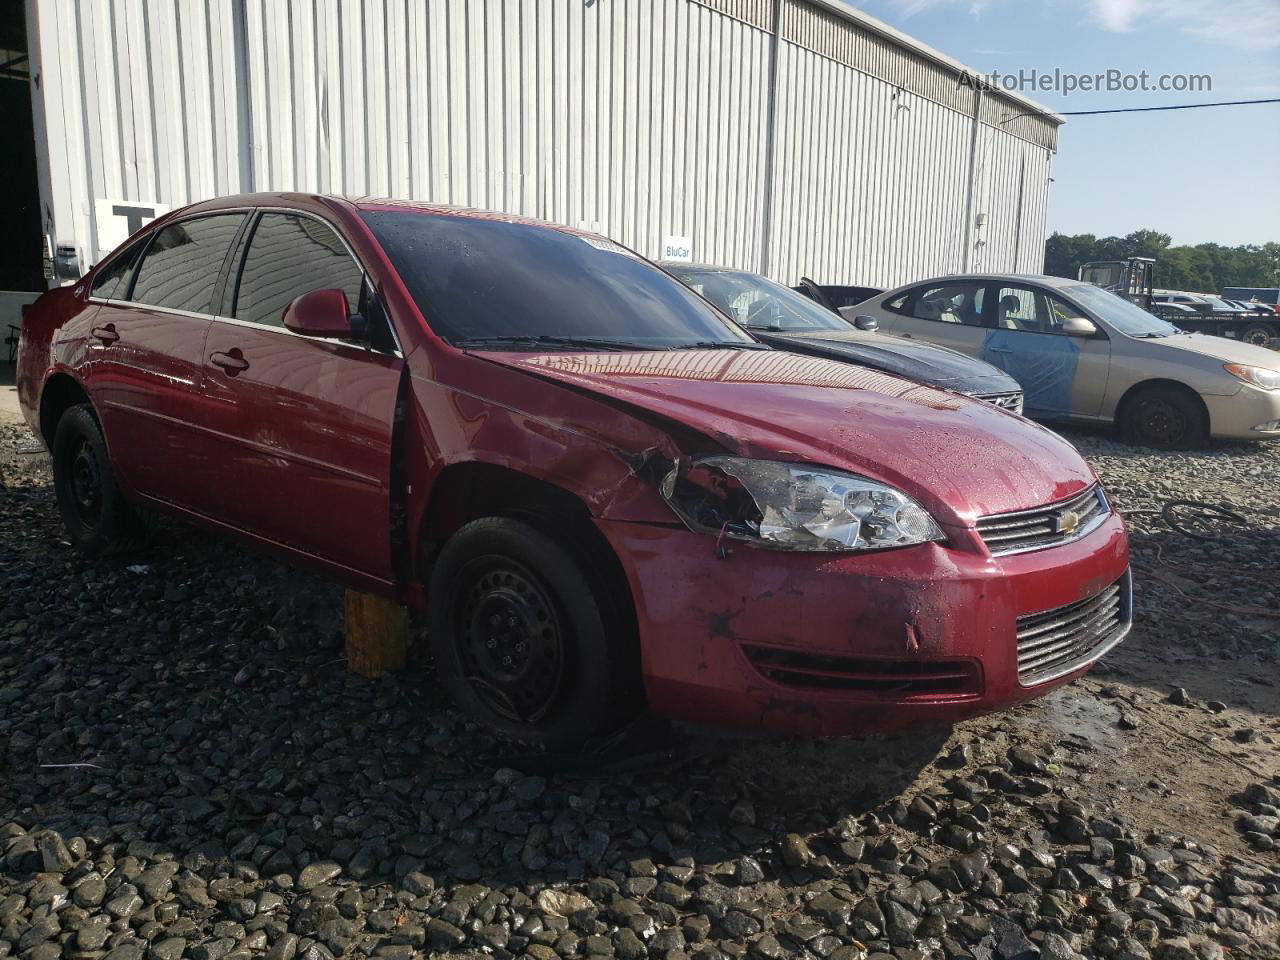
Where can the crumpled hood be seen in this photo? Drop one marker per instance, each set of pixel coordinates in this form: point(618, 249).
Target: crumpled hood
point(959, 458)
point(925, 362)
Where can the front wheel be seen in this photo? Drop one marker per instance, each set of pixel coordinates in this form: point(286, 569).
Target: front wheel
point(95, 513)
point(1164, 417)
point(522, 639)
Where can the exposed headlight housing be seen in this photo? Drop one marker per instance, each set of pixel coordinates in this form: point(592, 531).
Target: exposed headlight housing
point(791, 506)
point(1255, 376)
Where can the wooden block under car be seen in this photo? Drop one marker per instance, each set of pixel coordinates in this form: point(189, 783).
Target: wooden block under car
point(377, 633)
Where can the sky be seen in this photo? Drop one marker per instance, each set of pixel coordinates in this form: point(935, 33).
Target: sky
point(1200, 176)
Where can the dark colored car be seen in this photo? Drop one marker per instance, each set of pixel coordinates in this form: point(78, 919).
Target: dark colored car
point(785, 319)
point(600, 492)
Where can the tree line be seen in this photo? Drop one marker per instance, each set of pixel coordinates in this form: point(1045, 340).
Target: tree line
point(1203, 268)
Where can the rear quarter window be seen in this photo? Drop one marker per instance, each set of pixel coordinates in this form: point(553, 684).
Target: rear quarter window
point(112, 281)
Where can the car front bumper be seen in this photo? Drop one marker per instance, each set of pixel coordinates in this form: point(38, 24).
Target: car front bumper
point(1242, 415)
point(841, 644)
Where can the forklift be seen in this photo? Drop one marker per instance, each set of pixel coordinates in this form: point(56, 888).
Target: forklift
point(1129, 278)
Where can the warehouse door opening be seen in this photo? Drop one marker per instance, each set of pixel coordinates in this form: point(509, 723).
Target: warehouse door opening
point(21, 253)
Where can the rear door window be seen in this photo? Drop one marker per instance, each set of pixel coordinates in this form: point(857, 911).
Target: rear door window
point(180, 268)
point(898, 304)
point(950, 303)
point(288, 256)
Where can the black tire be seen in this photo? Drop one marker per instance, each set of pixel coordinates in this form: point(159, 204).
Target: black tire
point(1164, 417)
point(1258, 334)
point(525, 639)
point(98, 519)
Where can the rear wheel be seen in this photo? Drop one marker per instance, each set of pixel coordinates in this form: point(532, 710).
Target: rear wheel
point(1258, 334)
point(97, 516)
point(522, 636)
point(1165, 417)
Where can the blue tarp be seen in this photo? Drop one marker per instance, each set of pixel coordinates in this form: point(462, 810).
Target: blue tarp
point(1044, 365)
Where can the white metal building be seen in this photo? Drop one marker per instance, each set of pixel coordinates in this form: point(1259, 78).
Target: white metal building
point(797, 137)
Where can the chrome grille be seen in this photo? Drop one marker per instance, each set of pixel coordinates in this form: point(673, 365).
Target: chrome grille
point(1005, 401)
point(1056, 642)
point(1049, 526)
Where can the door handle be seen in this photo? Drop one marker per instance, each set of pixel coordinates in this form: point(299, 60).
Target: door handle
point(106, 333)
point(999, 350)
point(232, 361)
point(906, 336)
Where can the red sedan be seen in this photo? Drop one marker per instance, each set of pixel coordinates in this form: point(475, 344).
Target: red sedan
point(602, 493)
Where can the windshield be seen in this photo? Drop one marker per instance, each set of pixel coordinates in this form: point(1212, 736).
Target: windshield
point(757, 303)
point(1124, 316)
point(497, 285)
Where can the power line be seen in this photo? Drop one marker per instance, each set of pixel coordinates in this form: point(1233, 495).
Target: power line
point(1181, 106)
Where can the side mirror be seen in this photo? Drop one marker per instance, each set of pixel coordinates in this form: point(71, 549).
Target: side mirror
point(1078, 327)
point(322, 313)
point(869, 324)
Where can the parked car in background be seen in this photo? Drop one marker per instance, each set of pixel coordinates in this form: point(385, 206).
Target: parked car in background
point(1209, 313)
point(1255, 307)
point(1200, 302)
point(1268, 295)
point(785, 319)
point(601, 492)
point(1083, 353)
point(1192, 301)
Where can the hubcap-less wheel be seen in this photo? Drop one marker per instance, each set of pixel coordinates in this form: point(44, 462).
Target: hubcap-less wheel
point(510, 640)
point(86, 485)
point(1258, 336)
point(1160, 421)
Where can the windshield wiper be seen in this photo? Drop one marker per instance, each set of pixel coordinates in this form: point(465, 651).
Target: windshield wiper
point(544, 340)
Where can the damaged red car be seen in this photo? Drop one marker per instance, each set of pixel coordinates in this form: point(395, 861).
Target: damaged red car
point(603, 495)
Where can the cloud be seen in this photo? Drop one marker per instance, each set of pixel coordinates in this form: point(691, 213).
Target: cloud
point(1248, 24)
point(909, 8)
point(1118, 16)
point(1245, 24)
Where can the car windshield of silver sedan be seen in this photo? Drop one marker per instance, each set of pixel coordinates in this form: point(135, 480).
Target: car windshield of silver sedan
point(494, 284)
point(1126, 317)
point(757, 303)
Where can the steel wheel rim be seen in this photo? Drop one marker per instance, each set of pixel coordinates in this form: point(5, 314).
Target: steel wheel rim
point(1161, 421)
point(1258, 338)
point(510, 639)
point(86, 485)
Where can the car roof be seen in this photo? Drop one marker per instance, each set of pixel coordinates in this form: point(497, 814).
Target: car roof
point(1041, 278)
point(368, 203)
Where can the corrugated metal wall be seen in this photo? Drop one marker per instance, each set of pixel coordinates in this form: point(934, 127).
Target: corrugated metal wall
point(638, 118)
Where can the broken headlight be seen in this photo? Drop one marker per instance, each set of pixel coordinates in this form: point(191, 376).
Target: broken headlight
point(791, 506)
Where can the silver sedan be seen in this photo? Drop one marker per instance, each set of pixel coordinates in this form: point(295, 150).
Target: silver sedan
point(1082, 353)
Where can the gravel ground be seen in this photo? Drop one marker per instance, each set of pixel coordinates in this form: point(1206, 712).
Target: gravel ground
point(187, 769)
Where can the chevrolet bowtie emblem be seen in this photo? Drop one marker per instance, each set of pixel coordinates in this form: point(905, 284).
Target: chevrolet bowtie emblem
point(1068, 522)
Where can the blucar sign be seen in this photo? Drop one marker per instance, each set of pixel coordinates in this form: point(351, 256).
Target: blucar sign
point(677, 248)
